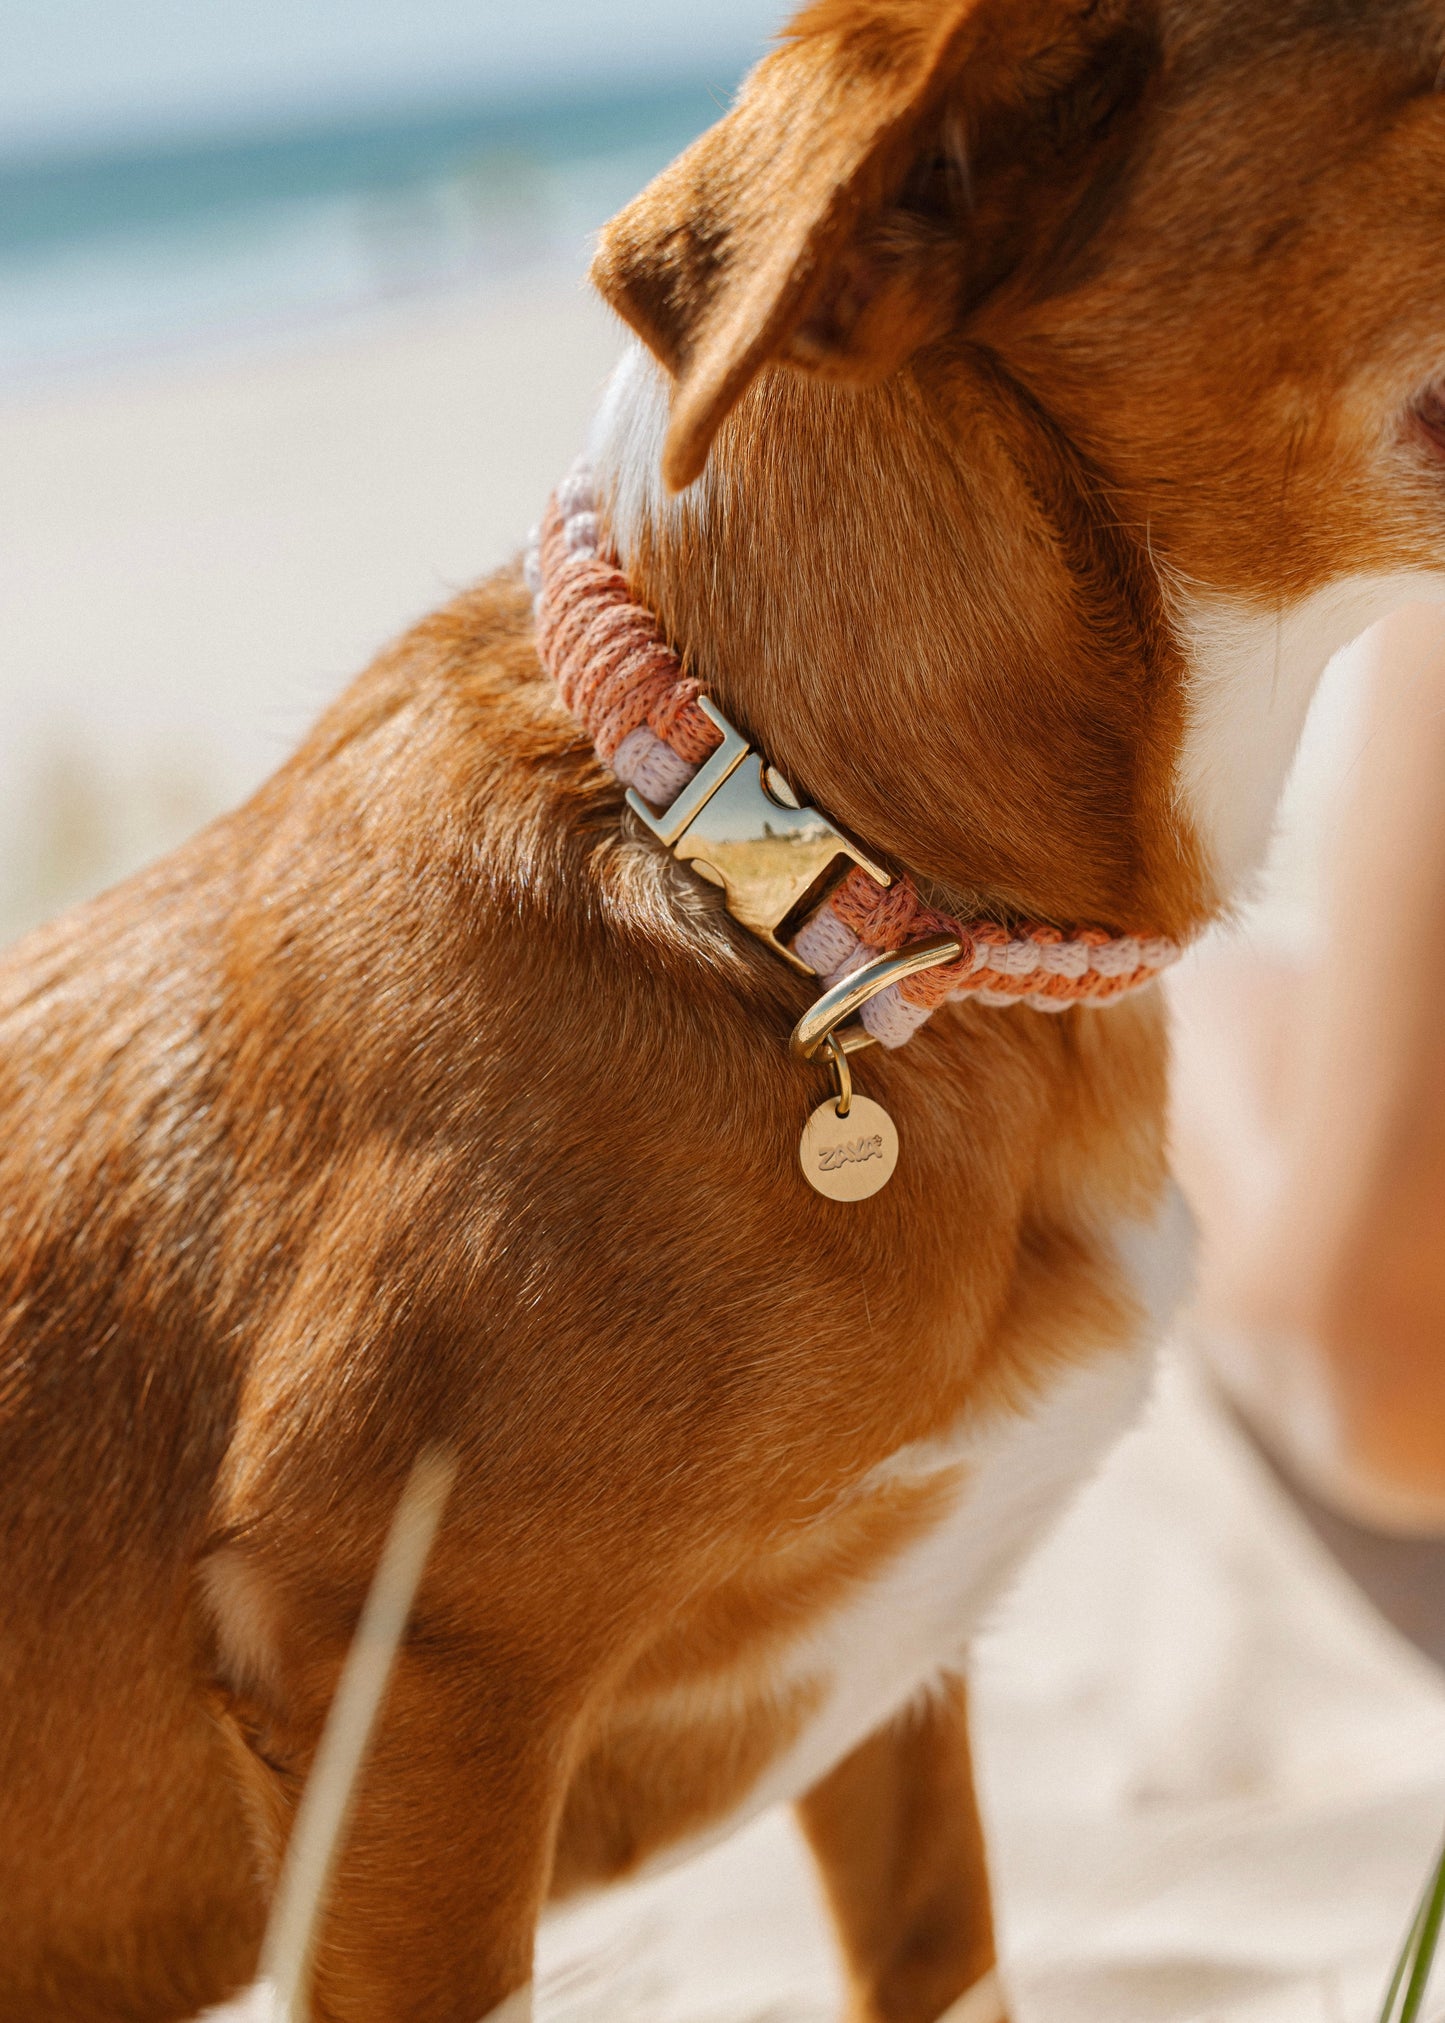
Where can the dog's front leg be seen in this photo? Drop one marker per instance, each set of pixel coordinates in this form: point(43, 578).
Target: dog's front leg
point(896, 1833)
point(431, 1913)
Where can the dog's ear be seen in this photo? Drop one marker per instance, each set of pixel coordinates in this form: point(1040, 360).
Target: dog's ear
point(809, 224)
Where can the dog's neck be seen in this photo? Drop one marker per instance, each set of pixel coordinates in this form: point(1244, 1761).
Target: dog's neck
point(915, 600)
point(925, 629)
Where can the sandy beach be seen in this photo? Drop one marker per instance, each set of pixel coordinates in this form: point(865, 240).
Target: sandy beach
point(1214, 1776)
point(194, 556)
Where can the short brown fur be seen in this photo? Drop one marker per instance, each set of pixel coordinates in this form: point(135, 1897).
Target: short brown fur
point(421, 1100)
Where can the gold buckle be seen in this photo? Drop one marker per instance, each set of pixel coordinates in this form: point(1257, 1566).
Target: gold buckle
point(817, 1027)
point(739, 824)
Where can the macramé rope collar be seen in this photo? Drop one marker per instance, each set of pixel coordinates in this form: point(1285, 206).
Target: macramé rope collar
point(625, 684)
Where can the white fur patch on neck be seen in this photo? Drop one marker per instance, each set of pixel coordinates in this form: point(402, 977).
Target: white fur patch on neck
point(625, 447)
point(1253, 670)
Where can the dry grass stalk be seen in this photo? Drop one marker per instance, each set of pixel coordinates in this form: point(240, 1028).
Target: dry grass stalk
point(331, 1788)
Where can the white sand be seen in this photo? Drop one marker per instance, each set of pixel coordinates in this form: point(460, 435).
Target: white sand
point(1214, 1778)
point(194, 558)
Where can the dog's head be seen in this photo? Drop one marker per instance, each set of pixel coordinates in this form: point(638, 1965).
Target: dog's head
point(1204, 239)
point(1209, 235)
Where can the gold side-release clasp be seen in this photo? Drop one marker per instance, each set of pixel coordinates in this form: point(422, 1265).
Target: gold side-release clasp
point(739, 823)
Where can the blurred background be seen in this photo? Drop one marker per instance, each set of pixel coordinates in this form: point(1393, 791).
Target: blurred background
point(292, 341)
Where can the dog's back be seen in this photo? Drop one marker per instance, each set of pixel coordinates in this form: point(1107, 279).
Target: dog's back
point(179, 1127)
point(121, 1840)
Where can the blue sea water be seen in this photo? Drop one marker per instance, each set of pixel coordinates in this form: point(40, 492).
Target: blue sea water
point(130, 249)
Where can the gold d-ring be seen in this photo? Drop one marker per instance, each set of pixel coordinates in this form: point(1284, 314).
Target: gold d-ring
point(849, 995)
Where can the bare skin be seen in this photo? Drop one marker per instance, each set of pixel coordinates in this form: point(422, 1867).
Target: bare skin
point(1310, 1132)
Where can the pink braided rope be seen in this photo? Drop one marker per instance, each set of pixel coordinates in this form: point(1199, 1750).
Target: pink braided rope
point(616, 673)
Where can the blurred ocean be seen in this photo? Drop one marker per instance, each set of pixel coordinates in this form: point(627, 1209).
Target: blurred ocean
point(110, 251)
point(292, 343)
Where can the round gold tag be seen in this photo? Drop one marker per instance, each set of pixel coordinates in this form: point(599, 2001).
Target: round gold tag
point(849, 1158)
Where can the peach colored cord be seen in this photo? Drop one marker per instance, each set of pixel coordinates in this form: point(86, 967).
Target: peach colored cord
point(617, 674)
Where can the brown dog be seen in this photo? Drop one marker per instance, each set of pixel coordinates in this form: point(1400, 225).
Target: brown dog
point(1067, 378)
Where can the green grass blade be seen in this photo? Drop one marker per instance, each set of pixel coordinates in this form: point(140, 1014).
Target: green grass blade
point(1391, 2010)
point(1426, 1945)
point(1417, 1956)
